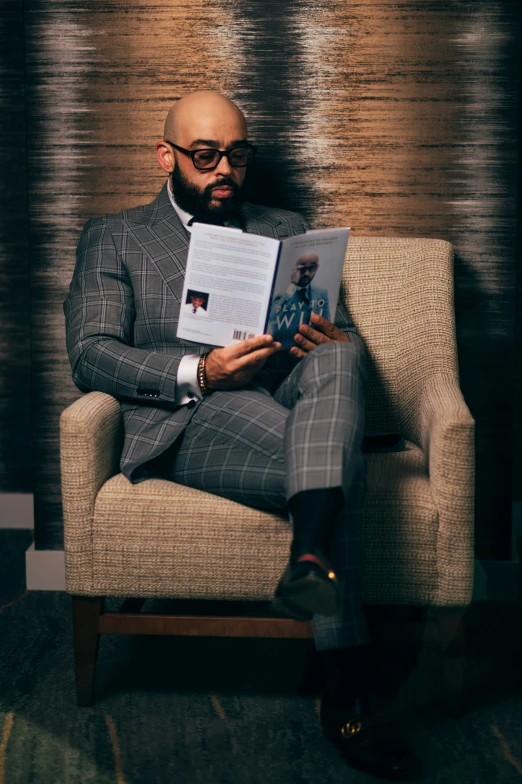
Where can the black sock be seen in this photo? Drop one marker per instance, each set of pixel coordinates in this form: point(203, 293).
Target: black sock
point(314, 513)
point(347, 673)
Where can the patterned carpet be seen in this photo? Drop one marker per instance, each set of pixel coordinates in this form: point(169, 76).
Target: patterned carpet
point(184, 711)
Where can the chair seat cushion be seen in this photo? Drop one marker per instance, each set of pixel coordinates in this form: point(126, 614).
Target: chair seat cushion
point(158, 538)
point(161, 539)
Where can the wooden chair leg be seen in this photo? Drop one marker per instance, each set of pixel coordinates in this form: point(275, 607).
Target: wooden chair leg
point(86, 620)
point(452, 640)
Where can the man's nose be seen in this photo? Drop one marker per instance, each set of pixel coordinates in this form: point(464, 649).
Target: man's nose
point(224, 166)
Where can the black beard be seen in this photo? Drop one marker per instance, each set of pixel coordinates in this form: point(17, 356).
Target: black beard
point(197, 202)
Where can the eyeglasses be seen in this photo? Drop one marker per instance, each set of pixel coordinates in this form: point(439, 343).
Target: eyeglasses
point(207, 158)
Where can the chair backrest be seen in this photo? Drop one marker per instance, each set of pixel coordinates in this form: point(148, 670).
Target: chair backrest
point(399, 293)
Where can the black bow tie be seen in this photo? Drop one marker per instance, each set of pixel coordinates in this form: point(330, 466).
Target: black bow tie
point(304, 296)
point(210, 221)
point(235, 220)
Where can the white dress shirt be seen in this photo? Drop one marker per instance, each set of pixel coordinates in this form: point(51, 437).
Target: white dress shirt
point(199, 312)
point(292, 288)
point(187, 388)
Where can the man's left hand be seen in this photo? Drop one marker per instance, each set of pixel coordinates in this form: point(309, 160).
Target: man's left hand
point(323, 331)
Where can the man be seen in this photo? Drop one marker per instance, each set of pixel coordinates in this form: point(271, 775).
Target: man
point(295, 305)
point(197, 305)
point(268, 428)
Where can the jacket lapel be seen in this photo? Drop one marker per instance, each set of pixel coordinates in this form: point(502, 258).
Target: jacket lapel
point(262, 220)
point(163, 238)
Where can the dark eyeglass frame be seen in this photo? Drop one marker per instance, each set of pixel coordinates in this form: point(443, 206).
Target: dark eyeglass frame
point(226, 153)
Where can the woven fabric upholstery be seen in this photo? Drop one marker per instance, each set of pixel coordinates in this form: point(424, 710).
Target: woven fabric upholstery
point(91, 435)
point(170, 540)
point(161, 539)
point(400, 294)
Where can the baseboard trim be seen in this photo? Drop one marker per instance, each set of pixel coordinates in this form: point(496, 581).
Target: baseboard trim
point(16, 510)
point(44, 569)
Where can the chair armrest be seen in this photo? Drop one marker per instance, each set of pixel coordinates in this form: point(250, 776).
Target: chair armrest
point(441, 420)
point(91, 434)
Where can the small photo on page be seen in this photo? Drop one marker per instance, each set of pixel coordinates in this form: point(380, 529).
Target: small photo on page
point(196, 304)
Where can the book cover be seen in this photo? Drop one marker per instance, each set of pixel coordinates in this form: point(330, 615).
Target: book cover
point(307, 281)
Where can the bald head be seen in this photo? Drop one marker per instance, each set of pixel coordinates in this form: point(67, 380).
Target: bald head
point(308, 258)
point(204, 115)
point(305, 269)
point(205, 121)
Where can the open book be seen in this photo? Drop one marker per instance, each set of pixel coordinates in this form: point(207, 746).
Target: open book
point(240, 285)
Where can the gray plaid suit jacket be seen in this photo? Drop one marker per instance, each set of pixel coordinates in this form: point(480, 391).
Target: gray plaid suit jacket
point(122, 314)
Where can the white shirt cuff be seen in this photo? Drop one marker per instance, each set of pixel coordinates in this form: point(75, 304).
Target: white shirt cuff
point(187, 380)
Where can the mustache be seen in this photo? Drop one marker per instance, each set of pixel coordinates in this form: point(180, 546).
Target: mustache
point(221, 182)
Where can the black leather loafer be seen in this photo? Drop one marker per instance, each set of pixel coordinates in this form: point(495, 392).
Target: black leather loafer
point(374, 747)
point(308, 586)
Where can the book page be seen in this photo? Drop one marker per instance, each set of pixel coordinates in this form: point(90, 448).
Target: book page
point(308, 281)
point(227, 285)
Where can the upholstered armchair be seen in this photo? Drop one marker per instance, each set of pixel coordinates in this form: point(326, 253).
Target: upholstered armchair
point(159, 539)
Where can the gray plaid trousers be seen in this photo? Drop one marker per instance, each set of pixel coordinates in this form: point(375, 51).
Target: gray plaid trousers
point(261, 450)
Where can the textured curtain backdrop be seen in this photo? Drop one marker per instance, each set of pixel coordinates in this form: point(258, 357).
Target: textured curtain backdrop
point(395, 118)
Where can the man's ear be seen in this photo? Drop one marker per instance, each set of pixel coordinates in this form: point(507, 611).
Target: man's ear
point(165, 156)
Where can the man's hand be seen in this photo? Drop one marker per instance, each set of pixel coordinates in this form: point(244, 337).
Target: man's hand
point(294, 277)
point(234, 366)
point(309, 337)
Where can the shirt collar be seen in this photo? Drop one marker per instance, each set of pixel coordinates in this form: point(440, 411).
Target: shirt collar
point(182, 215)
point(292, 288)
point(185, 217)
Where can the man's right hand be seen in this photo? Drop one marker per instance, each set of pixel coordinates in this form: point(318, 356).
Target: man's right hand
point(294, 277)
point(234, 366)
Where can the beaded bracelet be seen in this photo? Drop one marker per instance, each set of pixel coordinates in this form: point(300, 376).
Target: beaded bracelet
point(202, 374)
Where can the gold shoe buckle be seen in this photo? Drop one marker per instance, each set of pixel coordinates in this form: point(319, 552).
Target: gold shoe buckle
point(351, 728)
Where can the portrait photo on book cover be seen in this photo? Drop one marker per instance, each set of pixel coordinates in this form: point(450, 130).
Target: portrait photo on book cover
point(303, 286)
point(196, 304)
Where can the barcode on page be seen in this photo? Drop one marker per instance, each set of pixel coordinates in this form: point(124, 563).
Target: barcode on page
point(239, 335)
